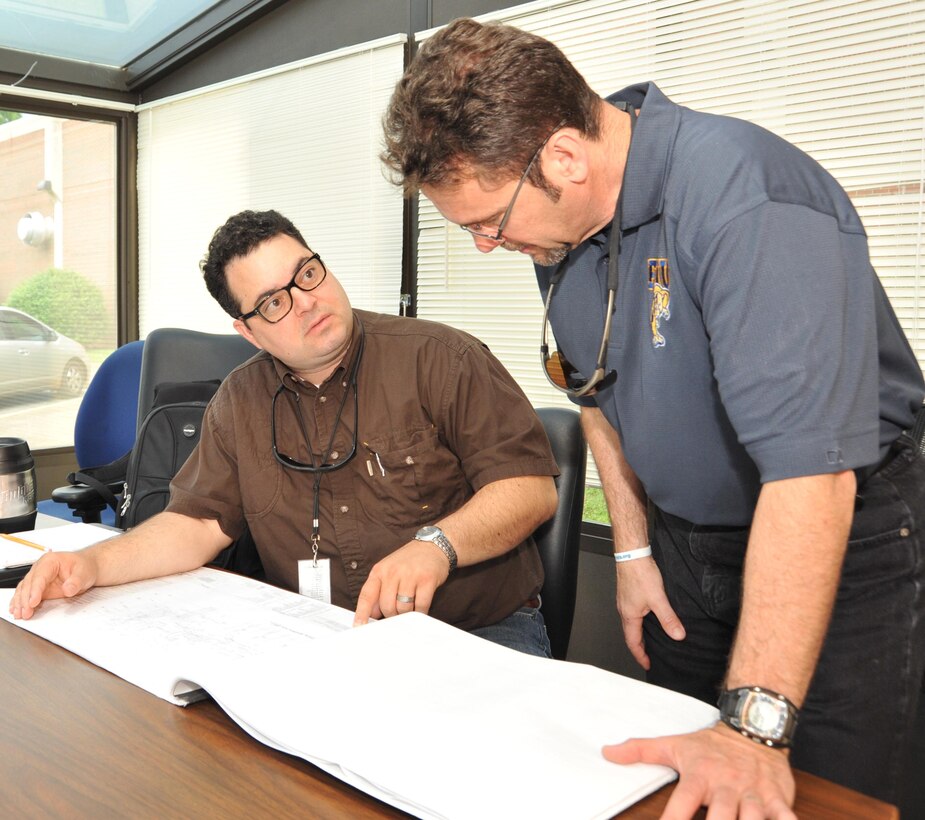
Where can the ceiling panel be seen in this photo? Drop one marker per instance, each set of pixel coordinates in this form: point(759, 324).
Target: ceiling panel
point(104, 32)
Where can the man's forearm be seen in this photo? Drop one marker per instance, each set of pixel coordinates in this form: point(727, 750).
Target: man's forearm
point(626, 500)
point(796, 548)
point(499, 516)
point(165, 544)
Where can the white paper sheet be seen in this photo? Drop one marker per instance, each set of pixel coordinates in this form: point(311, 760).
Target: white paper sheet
point(426, 717)
point(65, 538)
point(144, 632)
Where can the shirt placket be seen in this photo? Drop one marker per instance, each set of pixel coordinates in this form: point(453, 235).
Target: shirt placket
point(337, 486)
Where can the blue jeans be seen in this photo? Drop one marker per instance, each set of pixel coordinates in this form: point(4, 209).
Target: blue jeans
point(854, 726)
point(524, 630)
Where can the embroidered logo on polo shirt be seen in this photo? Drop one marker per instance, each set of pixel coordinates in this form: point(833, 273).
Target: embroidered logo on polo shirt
point(660, 285)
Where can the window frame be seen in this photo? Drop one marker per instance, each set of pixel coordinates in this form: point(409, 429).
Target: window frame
point(126, 252)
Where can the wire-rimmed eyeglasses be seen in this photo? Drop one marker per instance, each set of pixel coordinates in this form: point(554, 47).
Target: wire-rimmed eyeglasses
point(478, 229)
point(274, 307)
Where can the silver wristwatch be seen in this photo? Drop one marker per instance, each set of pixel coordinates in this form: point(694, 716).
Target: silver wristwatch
point(759, 714)
point(437, 537)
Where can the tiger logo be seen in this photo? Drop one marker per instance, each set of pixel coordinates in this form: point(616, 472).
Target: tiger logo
point(659, 284)
point(661, 309)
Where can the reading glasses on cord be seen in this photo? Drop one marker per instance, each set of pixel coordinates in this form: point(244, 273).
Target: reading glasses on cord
point(324, 466)
point(317, 470)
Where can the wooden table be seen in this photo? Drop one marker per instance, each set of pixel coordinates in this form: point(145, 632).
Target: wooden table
point(78, 742)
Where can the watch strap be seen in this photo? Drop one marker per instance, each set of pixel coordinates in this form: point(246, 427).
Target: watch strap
point(733, 704)
point(439, 540)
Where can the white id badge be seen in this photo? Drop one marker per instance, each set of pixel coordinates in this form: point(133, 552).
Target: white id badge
point(315, 579)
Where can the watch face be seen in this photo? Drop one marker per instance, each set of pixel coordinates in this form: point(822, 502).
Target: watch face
point(764, 715)
point(428, 532)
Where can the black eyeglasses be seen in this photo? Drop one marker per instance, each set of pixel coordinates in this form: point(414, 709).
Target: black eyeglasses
point(324, 466)
point(477, 229)
point(276, 306)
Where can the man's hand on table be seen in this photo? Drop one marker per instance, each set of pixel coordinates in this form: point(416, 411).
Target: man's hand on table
point(734, 776)
point(404, 581)
point(54, 575)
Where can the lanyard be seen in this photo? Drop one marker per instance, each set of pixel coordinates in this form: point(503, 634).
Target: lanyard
point(319, 469)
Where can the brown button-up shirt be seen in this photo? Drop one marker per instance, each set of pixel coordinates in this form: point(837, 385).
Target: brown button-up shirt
point(437, 418)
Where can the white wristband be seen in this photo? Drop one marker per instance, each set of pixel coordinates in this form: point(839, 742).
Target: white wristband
point(632, 555)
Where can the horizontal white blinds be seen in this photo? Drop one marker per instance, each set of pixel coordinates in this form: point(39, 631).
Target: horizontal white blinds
point(303, 140)
point(843, 80)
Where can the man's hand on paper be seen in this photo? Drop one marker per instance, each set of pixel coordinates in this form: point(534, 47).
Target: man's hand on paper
point(54, 575)
point(640, 591)
point(734, 776)
point(413, 572)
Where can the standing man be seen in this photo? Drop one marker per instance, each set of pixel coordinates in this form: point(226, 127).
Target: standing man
point(382, 464)
point(742, 377)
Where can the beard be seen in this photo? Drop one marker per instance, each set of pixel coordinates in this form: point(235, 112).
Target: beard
point(546, 257)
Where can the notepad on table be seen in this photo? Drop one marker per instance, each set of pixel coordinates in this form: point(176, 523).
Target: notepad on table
point(19, 549)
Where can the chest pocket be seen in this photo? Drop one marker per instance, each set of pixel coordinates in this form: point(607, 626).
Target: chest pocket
point(415, 477)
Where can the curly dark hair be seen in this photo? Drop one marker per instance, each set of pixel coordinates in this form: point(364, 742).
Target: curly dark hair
point(480, 98)
point(239, 235)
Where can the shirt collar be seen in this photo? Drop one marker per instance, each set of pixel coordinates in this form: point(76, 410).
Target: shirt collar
point(288, 378)
point(646, 173)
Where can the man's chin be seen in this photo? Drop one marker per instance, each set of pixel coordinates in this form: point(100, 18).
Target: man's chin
point(540, 256)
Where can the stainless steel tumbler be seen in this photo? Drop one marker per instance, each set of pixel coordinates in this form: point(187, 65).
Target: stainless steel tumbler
point(17, 486)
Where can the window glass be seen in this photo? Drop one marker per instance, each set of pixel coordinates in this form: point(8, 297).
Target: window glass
point(57, 270)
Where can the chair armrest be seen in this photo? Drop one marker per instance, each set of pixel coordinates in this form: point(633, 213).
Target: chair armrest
point(85, 500)
point(77, 495)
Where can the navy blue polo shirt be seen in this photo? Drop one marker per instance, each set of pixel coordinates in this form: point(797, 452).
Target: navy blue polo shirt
point(752, 338)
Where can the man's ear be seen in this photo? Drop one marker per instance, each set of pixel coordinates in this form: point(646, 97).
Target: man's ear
point(566, 157)
point(241, 326)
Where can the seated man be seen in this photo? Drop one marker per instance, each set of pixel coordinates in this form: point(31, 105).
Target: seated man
point(381, 463)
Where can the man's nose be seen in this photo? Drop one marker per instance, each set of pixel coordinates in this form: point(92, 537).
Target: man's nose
point(484, 244)
point(303, 300)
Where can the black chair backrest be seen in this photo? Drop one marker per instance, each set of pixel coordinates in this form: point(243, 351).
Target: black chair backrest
point(558, 540)
point(174, 354)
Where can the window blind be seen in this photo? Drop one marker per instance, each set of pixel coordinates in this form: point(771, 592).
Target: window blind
point(302, 139)
point(843, 80)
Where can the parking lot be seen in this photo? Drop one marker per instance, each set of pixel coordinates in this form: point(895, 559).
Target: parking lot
point(41, 418)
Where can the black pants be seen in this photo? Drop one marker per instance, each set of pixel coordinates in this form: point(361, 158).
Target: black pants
point(855, 723)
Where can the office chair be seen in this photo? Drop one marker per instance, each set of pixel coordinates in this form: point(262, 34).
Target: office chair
point(169, 355)
point(175, 354)
point(105, 425)
point(558, 539)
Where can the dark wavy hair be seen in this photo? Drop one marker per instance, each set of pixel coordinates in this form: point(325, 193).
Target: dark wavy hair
point(479, 98)
point(239, 235)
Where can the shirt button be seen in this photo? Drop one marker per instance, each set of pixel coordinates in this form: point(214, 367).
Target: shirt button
point(335, 455)
point(345, 509)
point(322, 399)
point(353, 565)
